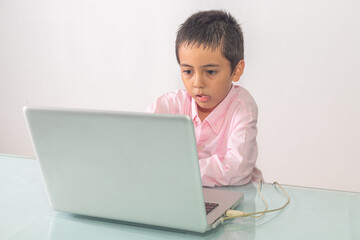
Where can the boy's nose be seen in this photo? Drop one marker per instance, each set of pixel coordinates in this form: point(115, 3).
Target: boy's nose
point(198, 81)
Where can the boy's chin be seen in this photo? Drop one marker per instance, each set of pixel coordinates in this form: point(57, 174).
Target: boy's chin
point(204, 107)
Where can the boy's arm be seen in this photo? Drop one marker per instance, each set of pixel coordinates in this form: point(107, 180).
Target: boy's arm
point(237, 167)
point(169, 103)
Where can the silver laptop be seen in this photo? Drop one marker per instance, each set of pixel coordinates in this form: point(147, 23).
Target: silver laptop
point(135, 167)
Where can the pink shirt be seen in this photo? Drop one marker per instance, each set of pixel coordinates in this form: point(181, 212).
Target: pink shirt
point(226, 139)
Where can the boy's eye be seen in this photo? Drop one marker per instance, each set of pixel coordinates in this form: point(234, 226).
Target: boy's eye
point(211, 72)
point(187, 72)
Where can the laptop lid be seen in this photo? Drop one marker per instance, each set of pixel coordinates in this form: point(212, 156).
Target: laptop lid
point(135, 167)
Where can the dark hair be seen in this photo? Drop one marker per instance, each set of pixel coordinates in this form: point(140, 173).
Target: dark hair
point(213, 29)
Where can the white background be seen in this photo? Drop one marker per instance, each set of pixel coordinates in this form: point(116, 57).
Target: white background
point(302, 67)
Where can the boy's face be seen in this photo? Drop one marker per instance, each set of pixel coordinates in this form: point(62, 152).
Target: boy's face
point(207, 75)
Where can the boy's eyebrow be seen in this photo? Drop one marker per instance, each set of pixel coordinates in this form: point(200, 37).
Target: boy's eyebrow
point(211, 65)
point(203, 66)
point(186, 65)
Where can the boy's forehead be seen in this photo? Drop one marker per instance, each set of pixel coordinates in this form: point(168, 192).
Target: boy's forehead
point(200, 46)
point(193, 54)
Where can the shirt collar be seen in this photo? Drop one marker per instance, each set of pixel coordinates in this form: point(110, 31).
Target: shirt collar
point(216, 117)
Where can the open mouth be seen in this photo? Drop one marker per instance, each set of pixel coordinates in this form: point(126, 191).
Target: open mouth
point(202, 98)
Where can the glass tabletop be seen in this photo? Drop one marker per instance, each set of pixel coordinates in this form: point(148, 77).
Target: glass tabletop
point(311, 214)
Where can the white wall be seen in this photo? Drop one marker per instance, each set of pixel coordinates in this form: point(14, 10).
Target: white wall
point(302, 67)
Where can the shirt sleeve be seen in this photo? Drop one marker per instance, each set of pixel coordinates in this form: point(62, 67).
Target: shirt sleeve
point(237, 167)
point(166, 104)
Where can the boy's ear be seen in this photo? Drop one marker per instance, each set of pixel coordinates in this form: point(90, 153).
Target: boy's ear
point(238, 71)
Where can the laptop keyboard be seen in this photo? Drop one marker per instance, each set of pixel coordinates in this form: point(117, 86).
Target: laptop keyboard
point(210, 206)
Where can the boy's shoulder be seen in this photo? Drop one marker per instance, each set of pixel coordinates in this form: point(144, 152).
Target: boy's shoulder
point(179, 95)
point(243, 102)
point(177, 98)
point(171, 102)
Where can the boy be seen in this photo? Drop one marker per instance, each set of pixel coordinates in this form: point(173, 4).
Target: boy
point(210, 52)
